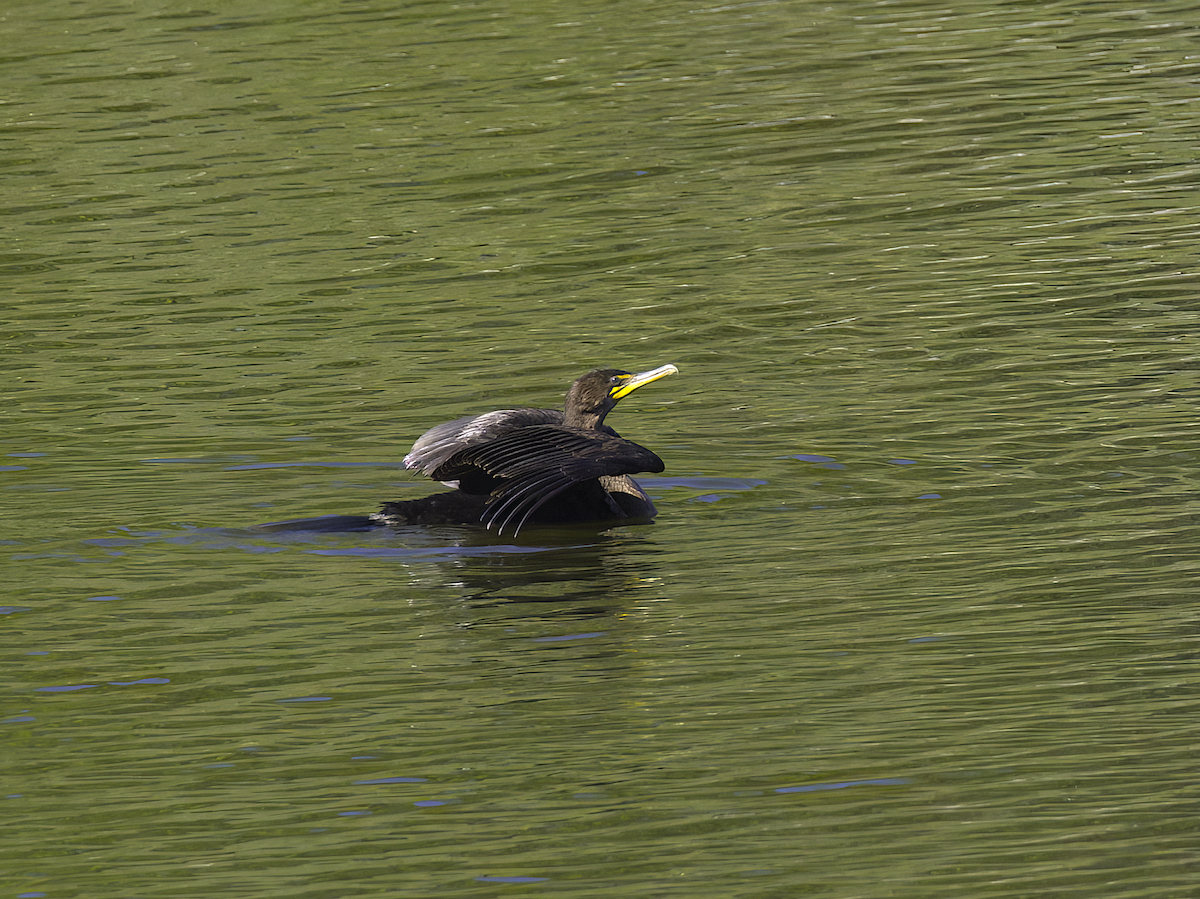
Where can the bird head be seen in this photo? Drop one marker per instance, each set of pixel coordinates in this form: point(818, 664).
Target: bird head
point(595, 394)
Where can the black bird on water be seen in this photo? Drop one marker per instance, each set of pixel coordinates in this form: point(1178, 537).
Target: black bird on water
point(515, 467)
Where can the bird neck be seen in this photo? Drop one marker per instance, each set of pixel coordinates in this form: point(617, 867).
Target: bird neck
point(584, 418)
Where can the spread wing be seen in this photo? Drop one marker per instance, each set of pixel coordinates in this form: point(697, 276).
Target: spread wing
point(525, 468)
point(435, 447)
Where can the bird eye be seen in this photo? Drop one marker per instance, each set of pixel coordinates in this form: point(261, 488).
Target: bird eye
point(615, 379)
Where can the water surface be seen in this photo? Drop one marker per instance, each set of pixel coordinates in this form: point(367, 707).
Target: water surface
point(916, 618)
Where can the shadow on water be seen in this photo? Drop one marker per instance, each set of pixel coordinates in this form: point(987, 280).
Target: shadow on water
point(565, 564)
point(588, 564)
point(581, 579)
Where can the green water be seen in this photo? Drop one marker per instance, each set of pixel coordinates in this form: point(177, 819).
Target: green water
point(917, 616)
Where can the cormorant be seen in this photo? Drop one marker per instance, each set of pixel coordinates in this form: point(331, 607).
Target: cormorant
point(514, 467)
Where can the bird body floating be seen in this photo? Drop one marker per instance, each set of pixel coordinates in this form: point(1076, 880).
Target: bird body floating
point(514, 467)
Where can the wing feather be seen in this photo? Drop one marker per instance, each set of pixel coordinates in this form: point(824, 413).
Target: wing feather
point(526, 467)
point(437, 445)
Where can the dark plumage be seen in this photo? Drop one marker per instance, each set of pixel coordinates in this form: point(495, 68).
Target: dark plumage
point(513, 467)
